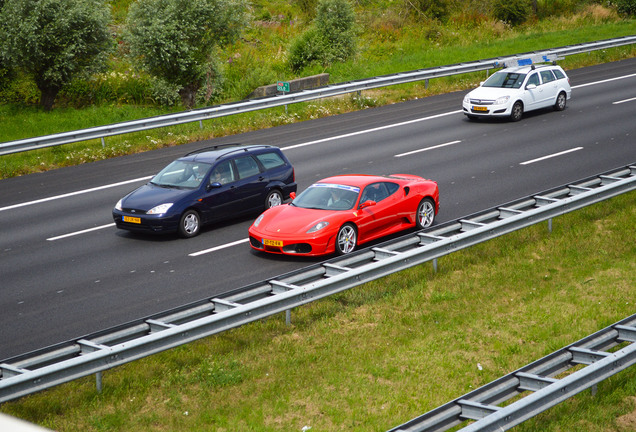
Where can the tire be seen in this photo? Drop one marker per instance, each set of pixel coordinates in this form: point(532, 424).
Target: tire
point(189, 224)
point(425, 215)
point(561, 101)
point(347, 239)
point(274, 198)
point(517, 112)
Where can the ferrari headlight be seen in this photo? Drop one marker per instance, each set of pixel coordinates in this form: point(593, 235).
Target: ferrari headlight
point(502, 100)
point(118, 205)
point(160, 209)
point(258, 220)
point(317, 227)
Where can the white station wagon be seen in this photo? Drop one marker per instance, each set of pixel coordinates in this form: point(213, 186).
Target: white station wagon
point(512, 91)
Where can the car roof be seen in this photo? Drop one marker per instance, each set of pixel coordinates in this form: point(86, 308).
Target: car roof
point(212, 154)
point(527, 69)
point(358, 180)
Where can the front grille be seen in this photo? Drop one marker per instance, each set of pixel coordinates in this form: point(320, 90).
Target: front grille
point(481, 102)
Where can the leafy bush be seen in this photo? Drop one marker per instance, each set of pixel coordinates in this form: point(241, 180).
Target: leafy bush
point(331, 38)
point(513, 12)
point(625, 7)
point(306, 49)
point(433, 9)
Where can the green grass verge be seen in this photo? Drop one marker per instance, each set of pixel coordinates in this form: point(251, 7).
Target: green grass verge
point(380, 354)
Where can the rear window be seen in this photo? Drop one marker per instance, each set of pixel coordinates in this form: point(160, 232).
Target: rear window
point(270, 160)
point(547, 76)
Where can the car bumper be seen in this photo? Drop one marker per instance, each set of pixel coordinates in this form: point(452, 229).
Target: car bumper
point(311, 246)
point(502, 110)
point(145, 223)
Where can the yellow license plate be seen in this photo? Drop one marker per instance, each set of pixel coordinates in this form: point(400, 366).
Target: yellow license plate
point(131, 219)
point(276, 243)
point(476, 108)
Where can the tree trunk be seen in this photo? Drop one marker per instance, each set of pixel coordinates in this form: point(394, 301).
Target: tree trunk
point(188, 95)
point(47, 96)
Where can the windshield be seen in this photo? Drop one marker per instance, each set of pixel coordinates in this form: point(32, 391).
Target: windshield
point(505, 80)
point(182, 174)
point(327, 196)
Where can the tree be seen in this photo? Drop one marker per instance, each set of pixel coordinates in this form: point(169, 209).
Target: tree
point(174, 40)
point(54, 41)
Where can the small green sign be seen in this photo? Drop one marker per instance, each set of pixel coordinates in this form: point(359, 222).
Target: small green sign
point(282, 86)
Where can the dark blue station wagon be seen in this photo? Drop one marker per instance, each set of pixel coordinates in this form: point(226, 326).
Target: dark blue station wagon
point(206, 186)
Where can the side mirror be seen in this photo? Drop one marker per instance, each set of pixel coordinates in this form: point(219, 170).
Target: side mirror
point(214, 185)
point(531, 86)
point(367, 204)
point(292, 195)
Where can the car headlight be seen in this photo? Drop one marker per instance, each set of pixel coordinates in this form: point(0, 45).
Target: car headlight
point(118, 205)
point(317, 227)
point(467, 99)
point(502, 100)
point(160, 209)
point(258, 220)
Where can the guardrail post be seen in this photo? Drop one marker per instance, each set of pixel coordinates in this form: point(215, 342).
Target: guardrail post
point(98, 381)
point(288, 317)
point(103, 143)
point(435, 265)
point(550, 225)
point(200, 124)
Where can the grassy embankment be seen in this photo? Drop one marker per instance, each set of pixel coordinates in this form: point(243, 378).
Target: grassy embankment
point(384, 48)
point(380, 354)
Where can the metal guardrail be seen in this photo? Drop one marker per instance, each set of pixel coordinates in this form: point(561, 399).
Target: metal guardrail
point(483, 404)
point(32, 372)
point(100, 132)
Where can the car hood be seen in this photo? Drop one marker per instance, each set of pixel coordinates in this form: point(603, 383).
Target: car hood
point(288, 219)
point(149, 196)
point(491, 93)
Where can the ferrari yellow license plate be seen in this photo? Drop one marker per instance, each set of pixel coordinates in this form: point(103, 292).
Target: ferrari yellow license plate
point(476, 108)
point(276, 243)
point(131, 219)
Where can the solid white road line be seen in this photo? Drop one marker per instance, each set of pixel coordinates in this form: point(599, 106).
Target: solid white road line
point(624, 100)
point(80, 232)
point(80, 192)
point(604, 81)
point(214, 249)
point(371, 130)
point(551, 156)
point(426, 149)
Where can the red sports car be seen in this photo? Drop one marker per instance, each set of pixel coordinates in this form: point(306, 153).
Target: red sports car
point(339, 213)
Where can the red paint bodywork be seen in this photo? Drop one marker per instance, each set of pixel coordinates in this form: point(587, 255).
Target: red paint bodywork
point(289, 224)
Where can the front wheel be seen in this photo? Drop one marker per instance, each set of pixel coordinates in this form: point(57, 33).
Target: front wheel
point(189, 224)
point(425, 213)
point(560, 102)
point(347, 239)
point(274, 198)
point(517, 111)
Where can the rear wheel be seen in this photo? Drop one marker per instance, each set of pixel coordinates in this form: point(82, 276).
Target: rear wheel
point(189, 224)
point(274, 198)
point(517, 111)
point(560, 102)
point(347, 239)
point(425, 213)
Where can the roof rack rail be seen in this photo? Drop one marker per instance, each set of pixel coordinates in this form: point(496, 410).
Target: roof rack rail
point(211, 148)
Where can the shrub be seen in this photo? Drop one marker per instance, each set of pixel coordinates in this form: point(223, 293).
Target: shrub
point(513, 12)
point(306, 49)
point(433, 9)
point(625, 7)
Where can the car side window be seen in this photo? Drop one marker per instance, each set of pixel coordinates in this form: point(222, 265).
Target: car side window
point(223, 173)
point(534, 79)
point(270, 160)
point(547, 76)
point(559, 74)
point(375, 192)
point(246, 166)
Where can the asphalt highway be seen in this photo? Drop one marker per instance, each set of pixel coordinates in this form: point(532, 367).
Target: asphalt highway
point(66, 271)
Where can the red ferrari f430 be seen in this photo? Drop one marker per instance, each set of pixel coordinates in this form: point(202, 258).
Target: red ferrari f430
point(337, 214)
